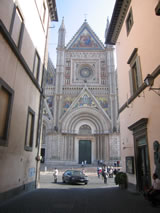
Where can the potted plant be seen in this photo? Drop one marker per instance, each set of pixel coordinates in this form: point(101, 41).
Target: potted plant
point(121, 180)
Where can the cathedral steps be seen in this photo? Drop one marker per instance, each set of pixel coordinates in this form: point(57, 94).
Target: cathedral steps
point(88, 169)
point(49, 168)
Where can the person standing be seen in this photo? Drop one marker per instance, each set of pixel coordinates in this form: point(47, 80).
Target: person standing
point(99, 170)
point(55, 175)
point(105, 175)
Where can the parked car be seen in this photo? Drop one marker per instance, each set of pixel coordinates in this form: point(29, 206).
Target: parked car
point(74, 176)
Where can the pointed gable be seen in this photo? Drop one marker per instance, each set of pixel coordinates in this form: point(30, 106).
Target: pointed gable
point(85, 39)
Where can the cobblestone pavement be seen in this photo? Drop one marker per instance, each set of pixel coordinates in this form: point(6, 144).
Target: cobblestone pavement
point(96, 197)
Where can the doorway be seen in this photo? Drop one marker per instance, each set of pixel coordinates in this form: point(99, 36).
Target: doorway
point(142, 162)
point(85, 151)
point(43, 155)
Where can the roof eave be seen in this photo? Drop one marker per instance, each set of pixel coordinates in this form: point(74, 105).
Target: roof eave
point(118, 16)
point(52, 10)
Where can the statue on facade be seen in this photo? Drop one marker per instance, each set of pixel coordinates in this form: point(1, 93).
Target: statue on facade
point(156, 147)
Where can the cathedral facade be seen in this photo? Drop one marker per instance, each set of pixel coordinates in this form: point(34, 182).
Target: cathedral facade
point(81, 121)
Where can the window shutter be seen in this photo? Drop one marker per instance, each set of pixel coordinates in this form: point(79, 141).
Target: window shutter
point(130, 81)
point(139, 73)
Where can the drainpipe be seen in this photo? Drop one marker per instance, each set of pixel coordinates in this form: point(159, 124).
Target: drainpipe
point(39, 128)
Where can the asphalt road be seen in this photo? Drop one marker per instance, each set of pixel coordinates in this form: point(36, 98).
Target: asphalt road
point(96, 197)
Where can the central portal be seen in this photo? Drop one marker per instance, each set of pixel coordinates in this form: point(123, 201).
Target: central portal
point(85, 151)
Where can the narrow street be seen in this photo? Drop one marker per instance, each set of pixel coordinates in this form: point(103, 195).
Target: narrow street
point(96, 197)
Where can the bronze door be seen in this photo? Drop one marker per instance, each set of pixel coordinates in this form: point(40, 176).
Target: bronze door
point(85, 151)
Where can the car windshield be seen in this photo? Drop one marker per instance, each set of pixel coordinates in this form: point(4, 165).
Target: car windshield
point(76, 173)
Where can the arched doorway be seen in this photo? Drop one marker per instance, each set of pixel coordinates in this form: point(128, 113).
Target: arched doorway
point(86, 129)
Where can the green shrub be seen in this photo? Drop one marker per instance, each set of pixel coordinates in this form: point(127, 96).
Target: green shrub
point(121, 179)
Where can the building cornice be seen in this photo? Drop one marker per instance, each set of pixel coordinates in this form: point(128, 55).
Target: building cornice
point(118, 16)
point(52, 10)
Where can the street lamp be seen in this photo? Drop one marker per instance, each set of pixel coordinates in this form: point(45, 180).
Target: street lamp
point(149, 81)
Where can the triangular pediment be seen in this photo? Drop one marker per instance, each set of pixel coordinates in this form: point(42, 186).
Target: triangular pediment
point(85, 100)
point(85, 39)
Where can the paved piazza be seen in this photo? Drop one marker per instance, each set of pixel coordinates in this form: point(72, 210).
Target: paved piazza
point(47, 181)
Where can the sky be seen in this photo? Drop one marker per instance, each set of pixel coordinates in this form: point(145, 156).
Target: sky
point(74, 13)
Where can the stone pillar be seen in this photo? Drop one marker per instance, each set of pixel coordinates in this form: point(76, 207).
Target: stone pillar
point(97, 148)
point(67, 147)
point(103, 147)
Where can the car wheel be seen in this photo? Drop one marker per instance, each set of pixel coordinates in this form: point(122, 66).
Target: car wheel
point(86, 183)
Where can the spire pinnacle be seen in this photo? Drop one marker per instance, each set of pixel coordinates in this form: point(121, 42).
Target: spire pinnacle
point(85, 17)
point(62, 24)
point(107, 27)
point(61, 34)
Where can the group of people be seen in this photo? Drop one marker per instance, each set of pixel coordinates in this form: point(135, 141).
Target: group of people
point(84, 163)
point(106, 172)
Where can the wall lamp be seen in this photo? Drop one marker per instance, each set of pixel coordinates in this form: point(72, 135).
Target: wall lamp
point(149, 81)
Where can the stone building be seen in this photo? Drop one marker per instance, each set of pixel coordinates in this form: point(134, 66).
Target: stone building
point(82, 121)
point(134, 29)
point(23, 59)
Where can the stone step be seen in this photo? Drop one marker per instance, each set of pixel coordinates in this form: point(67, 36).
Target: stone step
point(50, 168)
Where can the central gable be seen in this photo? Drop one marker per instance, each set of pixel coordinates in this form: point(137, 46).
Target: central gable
point(85, 100)
point(85, 39)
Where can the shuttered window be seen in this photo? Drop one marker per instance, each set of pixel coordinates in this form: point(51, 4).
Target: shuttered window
point(36, 66)
point(129, 21)
point(6, 99)
point(135, 74)
point(17, 27)
point(29, 130)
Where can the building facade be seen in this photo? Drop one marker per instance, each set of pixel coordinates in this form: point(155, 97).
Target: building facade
point(82, 120)
point(23, 47)
point(135, 32)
